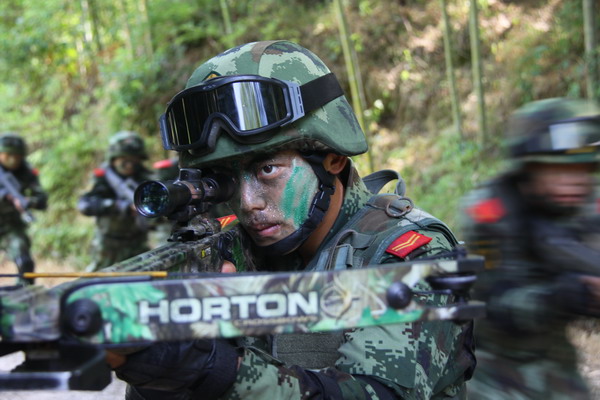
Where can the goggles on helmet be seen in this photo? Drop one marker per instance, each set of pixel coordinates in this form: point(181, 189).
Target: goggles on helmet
point(562, 136)
point(249, 106)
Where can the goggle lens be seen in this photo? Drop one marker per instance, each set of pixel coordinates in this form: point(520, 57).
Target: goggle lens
point(246, 106)
point(250, 107)
point(572, 135)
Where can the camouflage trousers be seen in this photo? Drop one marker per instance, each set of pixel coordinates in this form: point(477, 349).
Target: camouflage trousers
point(108, 250)
point(503, 378)
point(16, 244)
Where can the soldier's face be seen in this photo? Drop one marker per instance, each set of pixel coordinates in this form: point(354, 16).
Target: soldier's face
point(126, 165)
point(273, 195)
point(11, 161)
point(565, 185)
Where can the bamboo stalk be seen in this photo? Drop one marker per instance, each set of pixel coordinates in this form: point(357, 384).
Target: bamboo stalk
point(591, 56)
point(477, 70)
point(352, 68)
point(456, 117)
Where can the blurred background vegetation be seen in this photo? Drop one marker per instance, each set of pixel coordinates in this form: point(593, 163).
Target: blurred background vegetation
point(76, 71)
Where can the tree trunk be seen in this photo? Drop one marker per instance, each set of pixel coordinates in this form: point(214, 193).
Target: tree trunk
point(477, 73)
point(125, 22)
point(450, 70)
point(356, 87)
point(591, 54)
point(226, 22)
point(148, 35)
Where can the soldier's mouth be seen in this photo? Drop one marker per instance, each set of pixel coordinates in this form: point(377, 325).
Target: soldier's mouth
point(265, 230)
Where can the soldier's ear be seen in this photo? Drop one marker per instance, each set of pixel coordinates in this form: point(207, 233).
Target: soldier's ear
point(335, 163)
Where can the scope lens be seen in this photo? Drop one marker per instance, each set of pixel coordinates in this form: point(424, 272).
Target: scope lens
point(152, 199)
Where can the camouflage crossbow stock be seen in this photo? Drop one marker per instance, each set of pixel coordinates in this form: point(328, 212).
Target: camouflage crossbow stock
point(64, 330)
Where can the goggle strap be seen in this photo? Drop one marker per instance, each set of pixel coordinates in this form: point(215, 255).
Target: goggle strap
point(164, 132)
point(320, 91)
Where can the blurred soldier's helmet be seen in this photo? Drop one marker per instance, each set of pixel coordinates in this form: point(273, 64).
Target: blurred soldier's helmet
point(556, 130)
point(259, 97)
point(13, 144)
point(126, 143)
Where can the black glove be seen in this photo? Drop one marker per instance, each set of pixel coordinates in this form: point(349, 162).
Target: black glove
point(581, 294)
point(123, 206)
point(208, 367)
point(94, 206)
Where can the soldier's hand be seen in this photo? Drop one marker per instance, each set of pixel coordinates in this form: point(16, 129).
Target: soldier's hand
point(592, 285)
point(206, 368)
point(16, 203)
point(228, 268)
point(123, 206)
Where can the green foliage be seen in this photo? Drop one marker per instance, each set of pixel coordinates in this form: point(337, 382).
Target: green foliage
point(74, 72)
point(447, 170)
point(554, 48)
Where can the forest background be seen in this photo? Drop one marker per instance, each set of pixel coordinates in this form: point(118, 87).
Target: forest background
point(75, 72)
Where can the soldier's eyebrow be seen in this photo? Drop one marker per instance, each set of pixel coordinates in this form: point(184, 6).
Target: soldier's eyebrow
point(261, 158)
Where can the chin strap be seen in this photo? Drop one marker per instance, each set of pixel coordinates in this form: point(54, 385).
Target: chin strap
point(318, 208)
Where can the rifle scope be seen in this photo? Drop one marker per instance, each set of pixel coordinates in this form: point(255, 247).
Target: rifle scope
point(154, 199)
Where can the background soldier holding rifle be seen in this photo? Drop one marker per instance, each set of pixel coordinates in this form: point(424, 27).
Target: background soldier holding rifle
point(120, 231)
point(20, 191)
point(537, 225)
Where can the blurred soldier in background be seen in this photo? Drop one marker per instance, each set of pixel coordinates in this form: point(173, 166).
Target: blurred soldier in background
point(121, 232)
point(20, 191)
point(542, 251)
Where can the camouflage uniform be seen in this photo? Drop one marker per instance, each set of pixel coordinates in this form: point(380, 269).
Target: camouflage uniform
point(13, 230)
point(532, 258)
point(411, 361)
point(428, 360)
point(120, 232)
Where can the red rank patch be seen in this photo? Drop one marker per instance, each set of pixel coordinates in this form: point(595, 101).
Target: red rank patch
point(226, 220)
point(406, 243)
point(487, 211)
point(163, 164)
point(99, 172)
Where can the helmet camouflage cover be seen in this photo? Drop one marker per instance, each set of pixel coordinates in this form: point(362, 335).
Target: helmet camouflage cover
point(556, 130)
point(13, 144)
point(333, 126)
point(126, 143)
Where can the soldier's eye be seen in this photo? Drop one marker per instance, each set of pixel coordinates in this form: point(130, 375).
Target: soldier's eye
point(268, 169)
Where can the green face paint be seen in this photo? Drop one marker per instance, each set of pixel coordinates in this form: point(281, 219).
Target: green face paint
point(298, 193)
point(274, 195)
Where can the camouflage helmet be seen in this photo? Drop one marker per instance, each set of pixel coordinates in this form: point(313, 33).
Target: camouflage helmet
point(332, 127)
point(13, 144)
point(126, 143)
point(556, 130)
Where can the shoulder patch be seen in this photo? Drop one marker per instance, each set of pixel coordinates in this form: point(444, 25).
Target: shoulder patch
point(99, 172)
point(406, 243)
point(35, 171)
point(226, 220)
point(487, 211)
point(168, 163)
